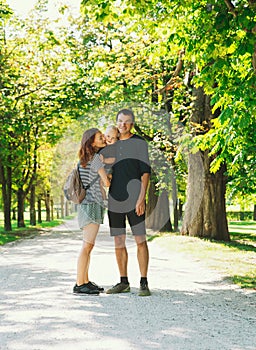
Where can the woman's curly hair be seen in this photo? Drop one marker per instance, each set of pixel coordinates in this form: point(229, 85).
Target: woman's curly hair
point(87, 151)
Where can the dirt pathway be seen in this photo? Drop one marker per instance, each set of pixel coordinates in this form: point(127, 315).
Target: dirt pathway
point(191, 307)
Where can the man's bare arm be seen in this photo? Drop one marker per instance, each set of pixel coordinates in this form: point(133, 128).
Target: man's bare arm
point(140, 205)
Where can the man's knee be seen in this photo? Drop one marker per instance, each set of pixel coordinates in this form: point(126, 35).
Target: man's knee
point(120, 241)
point(141, 240)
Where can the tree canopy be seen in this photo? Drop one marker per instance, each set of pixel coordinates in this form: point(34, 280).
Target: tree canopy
point(215, 43)
point(146, 55)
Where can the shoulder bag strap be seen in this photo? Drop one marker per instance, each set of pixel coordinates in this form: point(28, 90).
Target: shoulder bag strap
point(91, 183)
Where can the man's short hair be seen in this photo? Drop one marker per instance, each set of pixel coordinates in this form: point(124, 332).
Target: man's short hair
point(126, 112)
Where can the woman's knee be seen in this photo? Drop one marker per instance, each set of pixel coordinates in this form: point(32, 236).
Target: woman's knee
point(87, 247)
point(90, 233)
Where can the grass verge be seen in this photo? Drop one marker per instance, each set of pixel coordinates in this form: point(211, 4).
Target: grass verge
point(28, 231)
point(235, 259)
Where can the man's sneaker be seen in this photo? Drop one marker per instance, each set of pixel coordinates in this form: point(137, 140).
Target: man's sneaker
point(85, 289)
point(119, 288)
point(93, 285)
point(144, 290)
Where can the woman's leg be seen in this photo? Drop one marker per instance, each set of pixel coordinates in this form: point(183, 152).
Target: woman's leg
point(89, 235)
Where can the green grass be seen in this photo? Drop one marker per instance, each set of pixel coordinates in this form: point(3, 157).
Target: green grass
point(28, 231)
point(235, 259)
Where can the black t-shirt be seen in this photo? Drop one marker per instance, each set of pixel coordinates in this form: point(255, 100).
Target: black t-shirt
point(132, 161)
point(109, 152)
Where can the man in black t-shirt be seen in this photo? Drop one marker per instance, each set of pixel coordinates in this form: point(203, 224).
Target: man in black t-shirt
point(130, 177)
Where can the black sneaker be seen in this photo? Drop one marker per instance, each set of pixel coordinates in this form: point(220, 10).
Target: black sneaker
point(119, 288)
point(85, 289)
point(93, 285)
point(144, 290)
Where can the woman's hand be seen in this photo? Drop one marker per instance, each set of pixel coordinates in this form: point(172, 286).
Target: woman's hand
point(101, 158)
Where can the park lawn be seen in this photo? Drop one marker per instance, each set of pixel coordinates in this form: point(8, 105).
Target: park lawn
point(26, 232)
point(235, 260)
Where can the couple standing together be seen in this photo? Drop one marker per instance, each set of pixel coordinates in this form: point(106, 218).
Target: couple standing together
point(126, 200)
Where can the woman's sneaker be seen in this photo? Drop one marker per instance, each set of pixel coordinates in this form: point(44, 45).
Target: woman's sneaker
point(119, 288)
point(144, 290)
point(93, 285)
point(85, 289)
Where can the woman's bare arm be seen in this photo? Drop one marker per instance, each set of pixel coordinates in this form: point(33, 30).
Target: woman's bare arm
point(104, 177)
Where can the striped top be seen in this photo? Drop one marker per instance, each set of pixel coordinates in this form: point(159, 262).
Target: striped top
point(88, 174)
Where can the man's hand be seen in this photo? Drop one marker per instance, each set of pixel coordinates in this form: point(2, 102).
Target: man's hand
point(140, 208)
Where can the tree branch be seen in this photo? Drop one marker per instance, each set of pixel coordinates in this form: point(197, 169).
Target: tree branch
point(150, 139)
point(252, 2)
point(231, 7)
point(254, 58)
point(141, 133)
point(178, 68)
point(28, 93)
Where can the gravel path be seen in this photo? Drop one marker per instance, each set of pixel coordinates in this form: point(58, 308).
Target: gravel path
point(191, 307)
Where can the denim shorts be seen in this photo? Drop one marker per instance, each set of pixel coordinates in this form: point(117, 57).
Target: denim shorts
point(90, 213)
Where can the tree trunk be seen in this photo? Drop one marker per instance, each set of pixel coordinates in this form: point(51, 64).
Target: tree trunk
point(52, 210)
point(39, 211)
point(175, 202)
point(58, 213)
point(254, 212)
point(157, 211)
point(205, 211)
point(66, 208)
point(48, 207)
point(163, 213)
point(151, 204)
point(6, 181)
point(180, 209)
point(175, 216)
point(62, 206)
point(32, 206)
point(13, 214)
point(21, 207)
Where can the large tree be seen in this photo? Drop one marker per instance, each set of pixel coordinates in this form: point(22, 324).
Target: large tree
point(221, 39)
point(5, 174)
point(35, 109)
point(214, 44)
point(125, 75)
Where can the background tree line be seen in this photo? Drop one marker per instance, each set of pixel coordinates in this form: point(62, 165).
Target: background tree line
point(187, 70)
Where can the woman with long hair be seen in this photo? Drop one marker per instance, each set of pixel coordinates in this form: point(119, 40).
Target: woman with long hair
point(91, 210)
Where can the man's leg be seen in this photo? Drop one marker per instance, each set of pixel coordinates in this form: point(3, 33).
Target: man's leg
point(142, 254)
point(117, 230)
point(137, 224)
point(143, 259)
point(121, 254)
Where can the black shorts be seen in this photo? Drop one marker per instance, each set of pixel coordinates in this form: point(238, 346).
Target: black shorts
point(117, 223)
